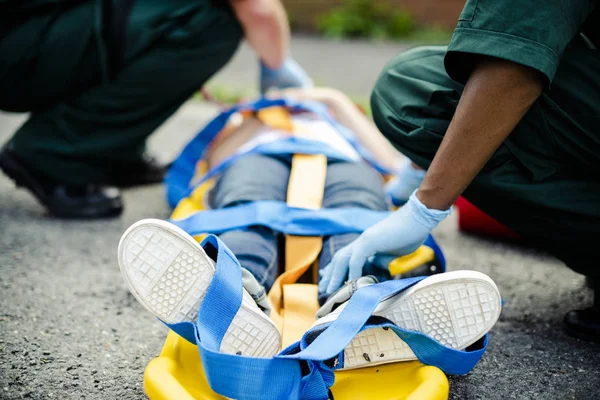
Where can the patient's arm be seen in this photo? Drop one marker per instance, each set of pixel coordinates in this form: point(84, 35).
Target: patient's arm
point(350, 116)
point(231, 139)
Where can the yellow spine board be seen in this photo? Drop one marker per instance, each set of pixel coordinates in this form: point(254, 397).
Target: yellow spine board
point(177, 374)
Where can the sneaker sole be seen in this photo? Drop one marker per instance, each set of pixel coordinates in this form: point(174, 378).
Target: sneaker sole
point(168, 273)
point(455, 308)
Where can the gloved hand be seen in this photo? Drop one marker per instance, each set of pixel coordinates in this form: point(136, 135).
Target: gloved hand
point(343, 294)
point(406, 181)
point(289, 75)
point(399, 234)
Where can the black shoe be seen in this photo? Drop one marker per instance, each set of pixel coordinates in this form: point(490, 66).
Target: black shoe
point(143, 172)
point(585, 324)
point(64, 201)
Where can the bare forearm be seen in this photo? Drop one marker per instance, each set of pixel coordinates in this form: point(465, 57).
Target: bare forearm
point(266, 28)
point(494, 100)
point(365, 130)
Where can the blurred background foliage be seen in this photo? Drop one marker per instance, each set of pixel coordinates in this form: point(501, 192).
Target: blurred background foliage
point(419, 21)
point(409, 21)
point(376, 20)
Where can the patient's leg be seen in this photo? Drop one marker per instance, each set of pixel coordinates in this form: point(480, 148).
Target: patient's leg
point(256, 250)
point(350, 185)
point(253, 178)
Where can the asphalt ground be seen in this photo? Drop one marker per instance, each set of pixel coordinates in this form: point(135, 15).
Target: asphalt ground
point(71, 330)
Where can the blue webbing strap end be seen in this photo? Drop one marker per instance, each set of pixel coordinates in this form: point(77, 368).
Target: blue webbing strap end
point(240, 377)
point(431, 352)
point(237, 376)
point(186, 330)
point(354, 317)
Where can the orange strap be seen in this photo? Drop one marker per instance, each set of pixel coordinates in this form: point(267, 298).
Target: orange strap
point(276, 118)
point(305, 189)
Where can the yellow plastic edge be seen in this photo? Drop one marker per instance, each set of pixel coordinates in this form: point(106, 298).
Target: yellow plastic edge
point(404, 264)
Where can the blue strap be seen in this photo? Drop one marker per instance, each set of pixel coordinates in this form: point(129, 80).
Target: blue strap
point(359, 309)
point(280, 217)
point(280, 377)
point(353, 320)
point(237, 376)
point(215, 314)
point(431, 352)
point(183, 168)
point(287, 146)
point(246, 378)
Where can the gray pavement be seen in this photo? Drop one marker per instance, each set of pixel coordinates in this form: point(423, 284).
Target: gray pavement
point(70, 330)
point(349, 65)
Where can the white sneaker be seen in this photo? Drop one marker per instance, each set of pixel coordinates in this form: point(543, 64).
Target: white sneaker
point(455, 308)
point(168, 272)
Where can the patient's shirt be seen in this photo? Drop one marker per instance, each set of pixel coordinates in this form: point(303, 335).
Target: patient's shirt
point(308, 127)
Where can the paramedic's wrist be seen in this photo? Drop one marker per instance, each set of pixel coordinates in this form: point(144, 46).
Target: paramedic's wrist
point(433, 200)
point(428, 217)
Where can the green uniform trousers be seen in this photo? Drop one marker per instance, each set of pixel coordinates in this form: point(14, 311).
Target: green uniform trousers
point(544, 181)
point(92, 103)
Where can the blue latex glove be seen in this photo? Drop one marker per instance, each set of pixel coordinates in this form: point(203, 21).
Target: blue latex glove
point(289, 75)
point(406, 181)
point(399, 234)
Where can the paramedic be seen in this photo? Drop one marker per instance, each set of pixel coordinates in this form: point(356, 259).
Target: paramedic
point(99, 76)
point(507, 115)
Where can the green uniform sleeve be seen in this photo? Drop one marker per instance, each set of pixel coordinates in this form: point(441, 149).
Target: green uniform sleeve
point(531, 33)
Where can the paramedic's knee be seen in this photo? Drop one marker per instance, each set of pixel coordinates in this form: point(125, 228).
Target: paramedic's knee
point(405, 74)
point(414, 100)
point(251, 178)
point(353, 185)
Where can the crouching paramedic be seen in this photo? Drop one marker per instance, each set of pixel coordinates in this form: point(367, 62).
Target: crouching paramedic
point(506, 115)
point(99, 76)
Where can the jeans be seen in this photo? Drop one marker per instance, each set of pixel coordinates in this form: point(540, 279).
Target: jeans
point(258, 177)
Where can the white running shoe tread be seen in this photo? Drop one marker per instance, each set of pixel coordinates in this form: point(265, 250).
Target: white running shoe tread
point(456, 309)
point(168, 272)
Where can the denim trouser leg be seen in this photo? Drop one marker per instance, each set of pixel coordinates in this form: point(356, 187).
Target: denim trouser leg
point(253, 178)
point(259, 177)
point(350, 185)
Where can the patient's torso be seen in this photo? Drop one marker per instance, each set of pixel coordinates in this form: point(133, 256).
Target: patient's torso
point(251, 132)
